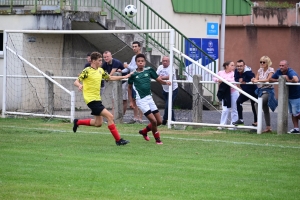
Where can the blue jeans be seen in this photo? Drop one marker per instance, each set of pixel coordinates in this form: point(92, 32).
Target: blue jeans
point(166, 97)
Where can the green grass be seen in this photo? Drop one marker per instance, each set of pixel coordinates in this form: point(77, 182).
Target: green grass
point(44, 159)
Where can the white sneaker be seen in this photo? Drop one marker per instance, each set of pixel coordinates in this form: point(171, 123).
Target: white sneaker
point(219, 128)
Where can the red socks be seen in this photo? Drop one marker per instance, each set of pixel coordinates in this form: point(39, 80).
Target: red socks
point(156, 135)
point(114, 132)
point(147, 129)
point(86, 122)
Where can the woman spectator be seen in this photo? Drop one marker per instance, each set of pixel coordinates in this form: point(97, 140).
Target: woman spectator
point(266, 91)
point(227, 94)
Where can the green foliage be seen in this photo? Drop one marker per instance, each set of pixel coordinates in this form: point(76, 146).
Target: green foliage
point(44, 159)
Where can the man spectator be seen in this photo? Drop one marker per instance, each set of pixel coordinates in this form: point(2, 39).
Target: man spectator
point(88, 59)
point(163, 71)
point(111, 65)
point(294, 91)
point(131, 67)
point(244, 74)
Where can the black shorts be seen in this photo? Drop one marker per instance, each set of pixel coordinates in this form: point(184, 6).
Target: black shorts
point(96, 107)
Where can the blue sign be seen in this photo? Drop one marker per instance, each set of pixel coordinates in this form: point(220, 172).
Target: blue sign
point(192, 51)
point(212, 29)
point(211, 47)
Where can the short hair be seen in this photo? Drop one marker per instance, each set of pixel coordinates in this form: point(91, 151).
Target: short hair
point(225, 64)
point(88, 54)
point(267, 60)
point(241, 61)
point(140, 55)
point(136, 42)
point(105, 52)
point(95, 55)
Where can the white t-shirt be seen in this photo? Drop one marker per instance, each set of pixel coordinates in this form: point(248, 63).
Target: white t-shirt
point(161, 71)
point(131, 66)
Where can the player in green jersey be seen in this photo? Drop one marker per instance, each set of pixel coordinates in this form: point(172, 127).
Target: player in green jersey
point(140, 81)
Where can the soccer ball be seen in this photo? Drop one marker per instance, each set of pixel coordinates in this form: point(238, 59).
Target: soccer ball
point(130, 11)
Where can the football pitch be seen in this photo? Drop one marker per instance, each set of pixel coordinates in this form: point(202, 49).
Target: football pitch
point(44, 159)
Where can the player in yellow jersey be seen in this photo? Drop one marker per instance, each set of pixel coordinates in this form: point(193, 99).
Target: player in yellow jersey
point(89, 82)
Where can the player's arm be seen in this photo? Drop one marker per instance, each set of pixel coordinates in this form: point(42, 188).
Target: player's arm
point(78, 84)
point(113, 71)
point(131, 104)
point(117, 78)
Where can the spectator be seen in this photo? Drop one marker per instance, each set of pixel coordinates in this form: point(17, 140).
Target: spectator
point(266, 91)
point(88, 59)
point(112, 65)
point(226, 94)
point(163, 71)
point(294, 91)
point(140, 81)
point(244, 74)
point(131, 67)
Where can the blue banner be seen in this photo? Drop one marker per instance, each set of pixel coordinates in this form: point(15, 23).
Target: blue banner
point(212, 29)
point(192, 51)
point(211, 47)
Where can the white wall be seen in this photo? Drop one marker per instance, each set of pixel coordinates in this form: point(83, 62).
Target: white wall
point(191, 25)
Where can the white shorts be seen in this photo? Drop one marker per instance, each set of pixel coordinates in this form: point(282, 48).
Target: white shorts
point(146, 104)
point(125, 90)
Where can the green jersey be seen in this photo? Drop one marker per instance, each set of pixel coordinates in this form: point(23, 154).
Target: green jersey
point(141, 82)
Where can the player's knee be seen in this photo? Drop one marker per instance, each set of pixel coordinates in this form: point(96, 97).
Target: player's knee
point(98, 124)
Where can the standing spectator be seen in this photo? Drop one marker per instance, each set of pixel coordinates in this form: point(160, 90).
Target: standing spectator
point(88, 59)
point(91, 78)
point(111, 65)
point(140, 81)
point(266, 91)
point(163, 71)
point(294, 91)
point(131, 67)
point(244, 74)
point(227, 94)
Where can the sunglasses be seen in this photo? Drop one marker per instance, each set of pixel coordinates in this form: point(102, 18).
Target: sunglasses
point(262, 62)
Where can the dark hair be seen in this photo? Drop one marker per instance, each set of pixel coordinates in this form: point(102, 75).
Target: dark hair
point(95, 55)
point(140, 55)
point(88, 54)
point(241, 61)
point(226, 64)
point(138, 43)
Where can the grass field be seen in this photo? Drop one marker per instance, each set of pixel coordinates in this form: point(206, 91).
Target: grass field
point(44, 159)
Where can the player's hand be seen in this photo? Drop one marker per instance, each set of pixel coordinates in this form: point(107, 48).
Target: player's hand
point(131, 105)
point(80, 87)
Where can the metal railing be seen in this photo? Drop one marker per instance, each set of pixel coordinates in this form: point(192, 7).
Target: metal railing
point(146, 18)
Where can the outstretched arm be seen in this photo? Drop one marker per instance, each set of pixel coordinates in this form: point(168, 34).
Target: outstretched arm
point(116, 78)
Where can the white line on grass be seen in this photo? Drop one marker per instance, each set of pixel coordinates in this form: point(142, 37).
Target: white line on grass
point(172, 138)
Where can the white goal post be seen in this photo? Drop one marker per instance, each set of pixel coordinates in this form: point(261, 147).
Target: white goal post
point(38, 81)
point(29, 86)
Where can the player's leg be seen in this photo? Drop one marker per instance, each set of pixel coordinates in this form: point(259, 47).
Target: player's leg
point(88, 122)
point(112, 127)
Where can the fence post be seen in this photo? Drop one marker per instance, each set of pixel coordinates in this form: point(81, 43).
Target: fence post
point(49, 94)
point(197, 99)
point(282, 111)
point(117, 100)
